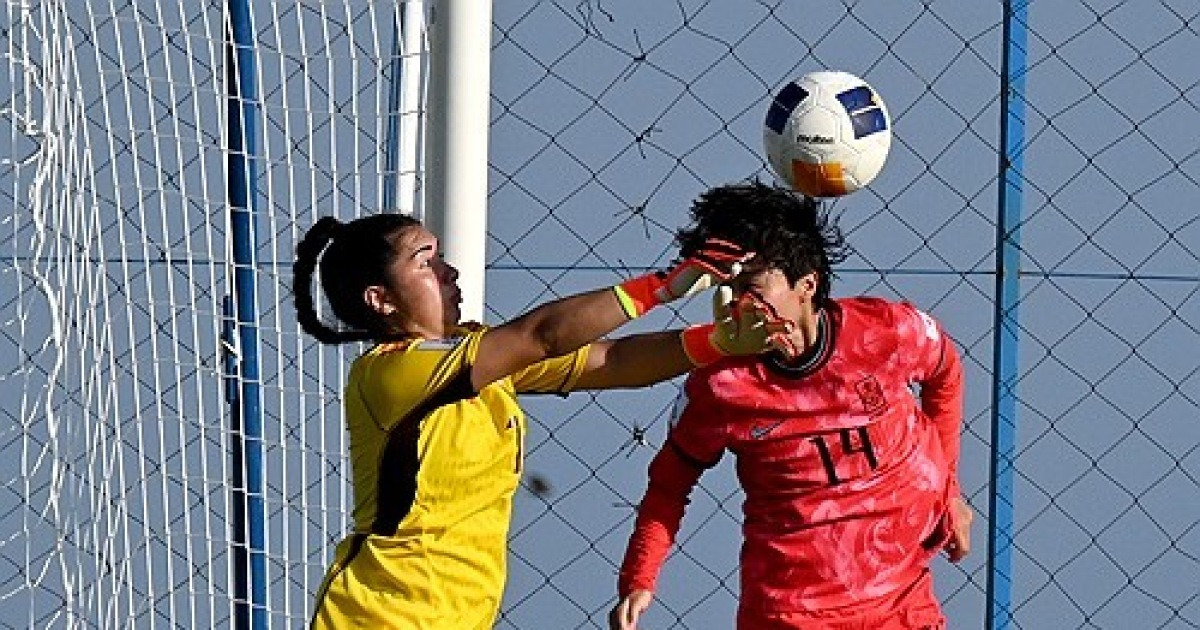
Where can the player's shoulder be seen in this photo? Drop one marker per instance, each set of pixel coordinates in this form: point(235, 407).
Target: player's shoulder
point(871, 308)
point(902, 317)
point(456, 337)
point(402, 350)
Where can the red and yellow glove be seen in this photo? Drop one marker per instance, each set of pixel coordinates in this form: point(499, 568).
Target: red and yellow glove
point(744, 326)
point(715, 263)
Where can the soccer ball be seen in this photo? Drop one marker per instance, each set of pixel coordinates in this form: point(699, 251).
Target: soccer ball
point(827, 134)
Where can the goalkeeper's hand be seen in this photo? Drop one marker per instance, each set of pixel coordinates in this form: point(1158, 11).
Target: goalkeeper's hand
point(716, 262)
point(743, 326)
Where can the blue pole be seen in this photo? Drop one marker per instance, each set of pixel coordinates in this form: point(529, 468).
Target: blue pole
point(249, 516)
point(1008, 295)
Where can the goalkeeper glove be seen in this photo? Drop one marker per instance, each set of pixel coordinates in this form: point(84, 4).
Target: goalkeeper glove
point(715, 263)
point(745, 326)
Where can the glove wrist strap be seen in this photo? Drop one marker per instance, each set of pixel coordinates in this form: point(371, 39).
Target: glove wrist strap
point(639, 294)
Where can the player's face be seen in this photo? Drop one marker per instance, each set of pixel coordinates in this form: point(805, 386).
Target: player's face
point(772, 286)
point(423, 295)
point(791, 301)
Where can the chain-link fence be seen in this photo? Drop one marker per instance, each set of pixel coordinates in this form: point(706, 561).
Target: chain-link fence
point(608, 118)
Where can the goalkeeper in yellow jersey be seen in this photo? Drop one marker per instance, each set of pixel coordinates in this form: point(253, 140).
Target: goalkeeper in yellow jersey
point(436, 430)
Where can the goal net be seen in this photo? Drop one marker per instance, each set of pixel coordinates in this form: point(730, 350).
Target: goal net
point(131, 413)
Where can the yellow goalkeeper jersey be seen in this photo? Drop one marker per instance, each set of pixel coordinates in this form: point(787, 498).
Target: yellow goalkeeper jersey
point(435, 467)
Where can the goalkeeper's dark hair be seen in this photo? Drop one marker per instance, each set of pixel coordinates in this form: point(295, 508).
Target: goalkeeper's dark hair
point(351, 256)
point(787, 230)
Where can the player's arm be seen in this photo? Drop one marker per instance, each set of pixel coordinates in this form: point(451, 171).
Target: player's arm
point(565, 325)
point(942, 401)
point(694, 445)
point(742, 326)
point(634, 361)
point(672, 477)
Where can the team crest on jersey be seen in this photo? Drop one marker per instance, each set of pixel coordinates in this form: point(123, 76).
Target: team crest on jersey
point(871, 395)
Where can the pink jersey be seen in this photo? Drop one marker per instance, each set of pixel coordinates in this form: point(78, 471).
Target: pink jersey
point(846, 472)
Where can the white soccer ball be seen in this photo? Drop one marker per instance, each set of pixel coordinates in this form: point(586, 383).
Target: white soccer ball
point(827, 134)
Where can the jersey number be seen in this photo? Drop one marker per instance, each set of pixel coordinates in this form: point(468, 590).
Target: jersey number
point(848, 447)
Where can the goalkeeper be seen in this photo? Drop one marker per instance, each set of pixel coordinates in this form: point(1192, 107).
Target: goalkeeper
point(436, 433)
point(850, 480)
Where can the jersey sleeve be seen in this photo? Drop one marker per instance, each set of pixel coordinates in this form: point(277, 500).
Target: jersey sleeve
point(694, 443)
point(938, 370)
point(556, 375)
point(698, 432)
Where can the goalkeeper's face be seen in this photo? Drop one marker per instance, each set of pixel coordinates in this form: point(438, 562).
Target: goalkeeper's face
point(422, 296)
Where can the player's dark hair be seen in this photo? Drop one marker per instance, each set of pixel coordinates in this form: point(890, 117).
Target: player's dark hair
point(352, 256)
point(789, 231)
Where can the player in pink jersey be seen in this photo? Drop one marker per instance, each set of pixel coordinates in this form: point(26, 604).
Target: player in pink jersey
point(850, 478)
